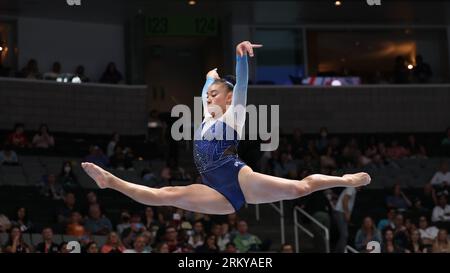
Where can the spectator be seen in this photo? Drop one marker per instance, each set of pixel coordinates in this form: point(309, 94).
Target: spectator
point(111, 75)
point(18, 139)
point(91, 199)
point(43, 139)
point(67, 178)
point(54, 73)
point(428, 197)
point(224, 237)
point(427, 233)
point(31, 70)
point(21, 220)
point(121, 159)
point(398, 200)
point(287, 248)
point(416, 245)
point(150, 223)
point(124, 222)
point(342, 215)
point(113, 244)
point(388, 221)
point(148, 240)
point(79, 72)
point(75, 226)
point(97, 157)
point(422, 71)
point(418, 210)
point(415, 150)
point(5, 223)
point(327, 162)
point(162, 248)
point(96, 223)
point(112, 145)
point(244, 240)
point(63, 248)
point(15, 243)
point(171, 238)
point(441, 179)
point(51, 188)
point(441, 245)
point(231, 248)
point(367, 233)
point(285, 167)
point(136, 228)
point(138, 246)
point(8, 156)
point(396, 151)
point(401, 235)
point(388, 245)
point(209, 246)
point(232, 220)
point(198, 236)
point(441, 213)
point(47, 245)
point(91, 247)
point(69, 206)
point(401, 73)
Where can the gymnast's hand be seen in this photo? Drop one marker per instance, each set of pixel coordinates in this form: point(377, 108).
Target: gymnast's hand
point(246, 47)
point(213, 74)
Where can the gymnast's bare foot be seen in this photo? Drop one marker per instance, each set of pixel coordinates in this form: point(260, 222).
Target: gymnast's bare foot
point(101, 177)
point(357, 179)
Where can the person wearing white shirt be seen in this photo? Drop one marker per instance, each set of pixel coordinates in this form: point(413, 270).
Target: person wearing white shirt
point(342, 214)
point(441, 213)
point(441, 177)
point(427, 233)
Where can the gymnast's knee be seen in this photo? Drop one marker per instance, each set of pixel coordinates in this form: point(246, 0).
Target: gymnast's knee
point(304, 186)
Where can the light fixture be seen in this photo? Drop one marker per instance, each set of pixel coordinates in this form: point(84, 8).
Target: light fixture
point(337, 3)
point(410, 66)
point(192, 2)
point(1, 48)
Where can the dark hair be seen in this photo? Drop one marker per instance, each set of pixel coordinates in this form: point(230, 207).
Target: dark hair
point(42, 126)
point(229, 81)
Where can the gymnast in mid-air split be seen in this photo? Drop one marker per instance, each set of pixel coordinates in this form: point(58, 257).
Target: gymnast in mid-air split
point(227, 182)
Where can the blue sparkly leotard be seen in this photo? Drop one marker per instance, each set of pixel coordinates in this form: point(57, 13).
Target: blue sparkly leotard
point(217, 139)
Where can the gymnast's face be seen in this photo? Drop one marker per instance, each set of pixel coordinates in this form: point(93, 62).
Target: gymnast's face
point(218, 99)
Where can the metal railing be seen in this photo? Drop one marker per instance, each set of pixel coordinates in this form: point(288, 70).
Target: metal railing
point(351, 249)
point(297, 226)
point(280, 211)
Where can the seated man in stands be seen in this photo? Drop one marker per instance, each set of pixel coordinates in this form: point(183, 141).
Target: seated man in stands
point(398, 199)
point(441, 179)
point(244, 240)
point(8, 156)
point(441, 213)
point(47, 245)
point(96, 223)
point(18, 138)
point(97, 156)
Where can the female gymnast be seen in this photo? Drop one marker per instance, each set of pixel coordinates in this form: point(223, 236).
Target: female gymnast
point(227, 182)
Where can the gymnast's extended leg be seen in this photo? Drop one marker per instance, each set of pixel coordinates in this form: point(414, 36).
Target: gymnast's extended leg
point(261, 188)
point(196, 197)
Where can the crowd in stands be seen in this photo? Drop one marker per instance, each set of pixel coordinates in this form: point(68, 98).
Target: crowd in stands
point(412, 224)
point(31, 70)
